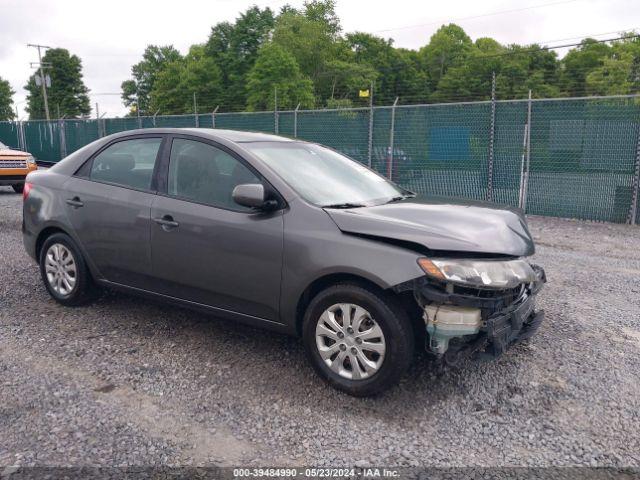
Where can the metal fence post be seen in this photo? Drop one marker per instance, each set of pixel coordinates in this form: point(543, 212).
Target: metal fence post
point(370, 139)
point(195, 110)
point(98, 119)
point(213, 116)
point(63, 138)
point(522, 161)
point(492, 131)
point(21, 142)
point(524, 166)
point(275, 111)
point(391, 134)
point(295, 121)
point(633, 210)
point(525, 195)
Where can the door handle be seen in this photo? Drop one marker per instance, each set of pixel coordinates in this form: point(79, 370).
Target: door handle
point(75, 202)
point(167, 222)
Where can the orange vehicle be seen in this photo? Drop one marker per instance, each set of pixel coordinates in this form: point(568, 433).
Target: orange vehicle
point(14, 167)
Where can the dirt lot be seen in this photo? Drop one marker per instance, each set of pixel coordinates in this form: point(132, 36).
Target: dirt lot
point(128, 382)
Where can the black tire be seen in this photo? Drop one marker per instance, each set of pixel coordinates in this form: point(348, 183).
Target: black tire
point(18, 187)
point(84, 289)
point(391, 318)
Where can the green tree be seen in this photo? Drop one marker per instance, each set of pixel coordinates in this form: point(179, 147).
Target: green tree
point(136, 91)
point(619, 72)
point(312, 36)
point(449, 47)
point(578, 63)
point(6, 101)
point(518, 69)
point(178, 81)
point(234, 48)
point(67, 93)
point(275, 68)
point(347, 78)
point(398, 70)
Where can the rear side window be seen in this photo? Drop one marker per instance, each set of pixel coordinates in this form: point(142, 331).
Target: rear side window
point(205, 174)
point(128, 163)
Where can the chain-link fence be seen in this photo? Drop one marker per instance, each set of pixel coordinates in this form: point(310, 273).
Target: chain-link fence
point(577, 158)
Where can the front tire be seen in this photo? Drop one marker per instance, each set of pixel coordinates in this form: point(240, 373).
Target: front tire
point(358, 339)
point(18, 187)
point(64, 271)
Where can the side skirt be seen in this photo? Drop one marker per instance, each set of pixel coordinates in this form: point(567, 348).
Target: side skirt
point(218, 312)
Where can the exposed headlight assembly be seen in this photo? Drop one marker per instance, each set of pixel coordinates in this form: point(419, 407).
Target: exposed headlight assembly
point(479, 273)
point(31, 160)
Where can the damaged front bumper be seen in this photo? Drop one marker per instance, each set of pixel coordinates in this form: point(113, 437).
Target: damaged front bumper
point(463, 322)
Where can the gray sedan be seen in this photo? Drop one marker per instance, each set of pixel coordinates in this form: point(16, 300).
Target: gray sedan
point(287, 235)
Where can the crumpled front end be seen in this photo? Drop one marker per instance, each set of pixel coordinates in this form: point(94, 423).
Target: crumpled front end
point(469, 320)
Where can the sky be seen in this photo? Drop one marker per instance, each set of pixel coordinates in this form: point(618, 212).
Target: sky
point(110, 36)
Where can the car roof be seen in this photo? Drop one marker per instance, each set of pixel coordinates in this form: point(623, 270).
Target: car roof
point(241, 136)
point(235, 136)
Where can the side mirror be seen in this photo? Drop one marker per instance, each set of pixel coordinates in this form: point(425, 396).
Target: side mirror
point(251, 195)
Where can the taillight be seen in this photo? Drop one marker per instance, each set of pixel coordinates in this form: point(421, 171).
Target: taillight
point(26, 190)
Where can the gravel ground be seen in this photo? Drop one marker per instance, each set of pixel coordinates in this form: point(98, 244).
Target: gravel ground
point(129, 382)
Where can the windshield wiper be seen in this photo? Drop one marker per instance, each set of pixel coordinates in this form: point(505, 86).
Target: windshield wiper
point(344, 205)
point(401, 197)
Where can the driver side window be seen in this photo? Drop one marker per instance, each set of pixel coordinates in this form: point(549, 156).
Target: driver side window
point(202, 173)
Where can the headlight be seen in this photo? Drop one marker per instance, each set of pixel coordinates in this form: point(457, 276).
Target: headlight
point(479, 273)
point(31, 160)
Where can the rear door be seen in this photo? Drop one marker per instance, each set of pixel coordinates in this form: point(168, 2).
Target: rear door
point(108, 203)
point(206, 248)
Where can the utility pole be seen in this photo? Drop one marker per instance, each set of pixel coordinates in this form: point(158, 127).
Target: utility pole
point(44, 84)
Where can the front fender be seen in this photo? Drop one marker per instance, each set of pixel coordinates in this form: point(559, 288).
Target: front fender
point(314, 247)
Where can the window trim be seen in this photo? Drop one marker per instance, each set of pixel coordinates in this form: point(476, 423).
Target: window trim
point(87, 165)
point(163, 174)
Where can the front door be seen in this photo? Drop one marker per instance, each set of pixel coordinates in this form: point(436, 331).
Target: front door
point(109, 205)
point(208, 249)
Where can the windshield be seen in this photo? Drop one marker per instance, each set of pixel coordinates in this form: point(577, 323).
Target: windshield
point(324, 177)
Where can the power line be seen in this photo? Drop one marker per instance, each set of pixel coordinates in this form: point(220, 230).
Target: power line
point(538, 49)
point(501, 12)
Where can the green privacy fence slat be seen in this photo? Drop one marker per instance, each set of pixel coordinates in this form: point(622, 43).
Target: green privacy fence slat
point(42, 140)
point(582, 154)
point(9, 134)
point(582, 158)
point(79, 132)
point(258, 121)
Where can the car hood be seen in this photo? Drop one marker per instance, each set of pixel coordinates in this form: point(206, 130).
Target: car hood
point(442, 224)
point(7, 152)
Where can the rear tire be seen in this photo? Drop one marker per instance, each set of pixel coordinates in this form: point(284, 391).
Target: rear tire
point(18, 187)
point(348, 355)
point(64, 271)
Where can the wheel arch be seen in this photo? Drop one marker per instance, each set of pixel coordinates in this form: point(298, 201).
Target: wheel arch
point(46, 233)
point(326, 281)
point(404, 300)
point(57, 228)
